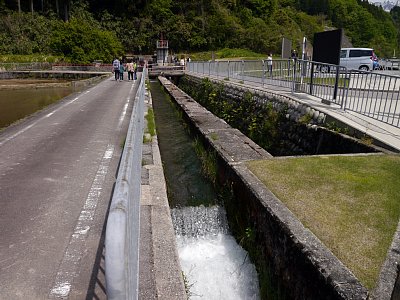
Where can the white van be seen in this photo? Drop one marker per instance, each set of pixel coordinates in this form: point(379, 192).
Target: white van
point(358, 58)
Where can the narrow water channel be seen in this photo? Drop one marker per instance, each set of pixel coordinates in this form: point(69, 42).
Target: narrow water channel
point(215, 266)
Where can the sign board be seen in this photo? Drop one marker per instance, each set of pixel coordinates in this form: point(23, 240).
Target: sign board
point(327, 46)
point(286, 48)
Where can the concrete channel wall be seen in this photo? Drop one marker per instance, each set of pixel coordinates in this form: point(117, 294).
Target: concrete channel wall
point(305, 267)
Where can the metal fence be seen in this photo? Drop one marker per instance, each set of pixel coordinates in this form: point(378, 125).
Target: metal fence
point(122, 232)
point(372, 94)
point(375, 95)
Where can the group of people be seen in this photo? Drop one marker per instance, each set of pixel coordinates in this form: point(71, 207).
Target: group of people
point(119, 68)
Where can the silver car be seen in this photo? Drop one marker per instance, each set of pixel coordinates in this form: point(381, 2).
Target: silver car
point(357, 58)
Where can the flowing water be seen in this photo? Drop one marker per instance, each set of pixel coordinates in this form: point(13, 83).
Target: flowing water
point(215, 266)
point(16, 104)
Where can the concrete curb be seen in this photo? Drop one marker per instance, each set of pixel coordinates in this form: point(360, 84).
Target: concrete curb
point(160, 271)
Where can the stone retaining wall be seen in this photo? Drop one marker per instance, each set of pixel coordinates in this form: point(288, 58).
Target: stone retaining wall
point(302, 131)
point(305, 267)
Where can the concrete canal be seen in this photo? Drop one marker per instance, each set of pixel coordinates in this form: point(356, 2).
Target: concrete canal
point(214, 265)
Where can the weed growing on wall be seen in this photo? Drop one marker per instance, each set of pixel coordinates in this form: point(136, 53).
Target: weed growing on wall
point(208, 161)
point(259, 121)
point(151, 125)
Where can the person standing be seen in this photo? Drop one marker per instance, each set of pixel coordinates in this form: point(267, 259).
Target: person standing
point(116, 67)
point(294, 54)
point(130, 69)
point(269, 64)
point(121, 71)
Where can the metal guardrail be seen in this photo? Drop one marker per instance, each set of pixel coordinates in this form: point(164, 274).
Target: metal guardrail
point(372, 94)
point(375, 95)
point(122, 232)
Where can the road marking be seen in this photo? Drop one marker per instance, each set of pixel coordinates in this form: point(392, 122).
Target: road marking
point(68, 269)
point(122, 117)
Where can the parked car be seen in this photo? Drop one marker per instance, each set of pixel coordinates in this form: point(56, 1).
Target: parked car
point(358, 58)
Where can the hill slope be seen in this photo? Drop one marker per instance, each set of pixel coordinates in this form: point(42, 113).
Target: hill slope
point(258, 25)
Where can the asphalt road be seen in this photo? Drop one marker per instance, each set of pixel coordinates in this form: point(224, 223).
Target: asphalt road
point(57, 171)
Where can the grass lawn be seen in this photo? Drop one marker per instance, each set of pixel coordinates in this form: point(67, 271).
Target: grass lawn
point(351, 203)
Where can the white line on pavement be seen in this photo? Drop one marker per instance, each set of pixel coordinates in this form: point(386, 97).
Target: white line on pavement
point(68, 269)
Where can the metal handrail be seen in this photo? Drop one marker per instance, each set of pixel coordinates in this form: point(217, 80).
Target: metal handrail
point(122, 232)
point(370, 94)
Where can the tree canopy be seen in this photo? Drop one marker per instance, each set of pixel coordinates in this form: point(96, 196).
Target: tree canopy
point(83, 30)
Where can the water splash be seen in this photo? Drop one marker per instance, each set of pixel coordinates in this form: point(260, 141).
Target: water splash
point(199, 221)
point(215, 266)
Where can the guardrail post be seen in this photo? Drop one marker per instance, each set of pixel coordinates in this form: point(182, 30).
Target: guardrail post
point(312, 78)
point(229, 68)
point(242, 71)
point(294, 77)
point(335, 90)
point(347, 87)
point(263, 74)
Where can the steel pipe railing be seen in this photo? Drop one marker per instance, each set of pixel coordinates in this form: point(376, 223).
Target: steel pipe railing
point(122, 232)
point(371, 94)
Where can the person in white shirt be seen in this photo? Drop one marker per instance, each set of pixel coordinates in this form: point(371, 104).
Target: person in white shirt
point(269, 64)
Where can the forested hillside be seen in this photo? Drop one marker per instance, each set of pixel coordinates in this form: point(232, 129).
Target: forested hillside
point(85, 30)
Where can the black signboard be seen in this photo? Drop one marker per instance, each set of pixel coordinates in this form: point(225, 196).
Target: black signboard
point(327, 46)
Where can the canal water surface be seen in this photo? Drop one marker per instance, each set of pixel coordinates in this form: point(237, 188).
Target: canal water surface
point(17, 103)
point(214, 265)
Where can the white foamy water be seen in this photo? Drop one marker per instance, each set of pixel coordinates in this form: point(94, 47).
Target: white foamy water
point(215, 266)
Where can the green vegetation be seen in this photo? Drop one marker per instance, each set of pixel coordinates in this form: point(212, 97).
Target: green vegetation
point(226, 53)
point(260, 122)
point(150, 130)
point(15, 58)
point(350, 203)
point(85, 30)
point(25, 37)
point(151, 125)
point(208, 161)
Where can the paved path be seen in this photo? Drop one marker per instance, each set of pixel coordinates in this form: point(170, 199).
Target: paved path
point(57, 171)
point(383, 133)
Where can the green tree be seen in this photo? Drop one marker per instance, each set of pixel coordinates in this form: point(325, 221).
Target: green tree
point(80, 42)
